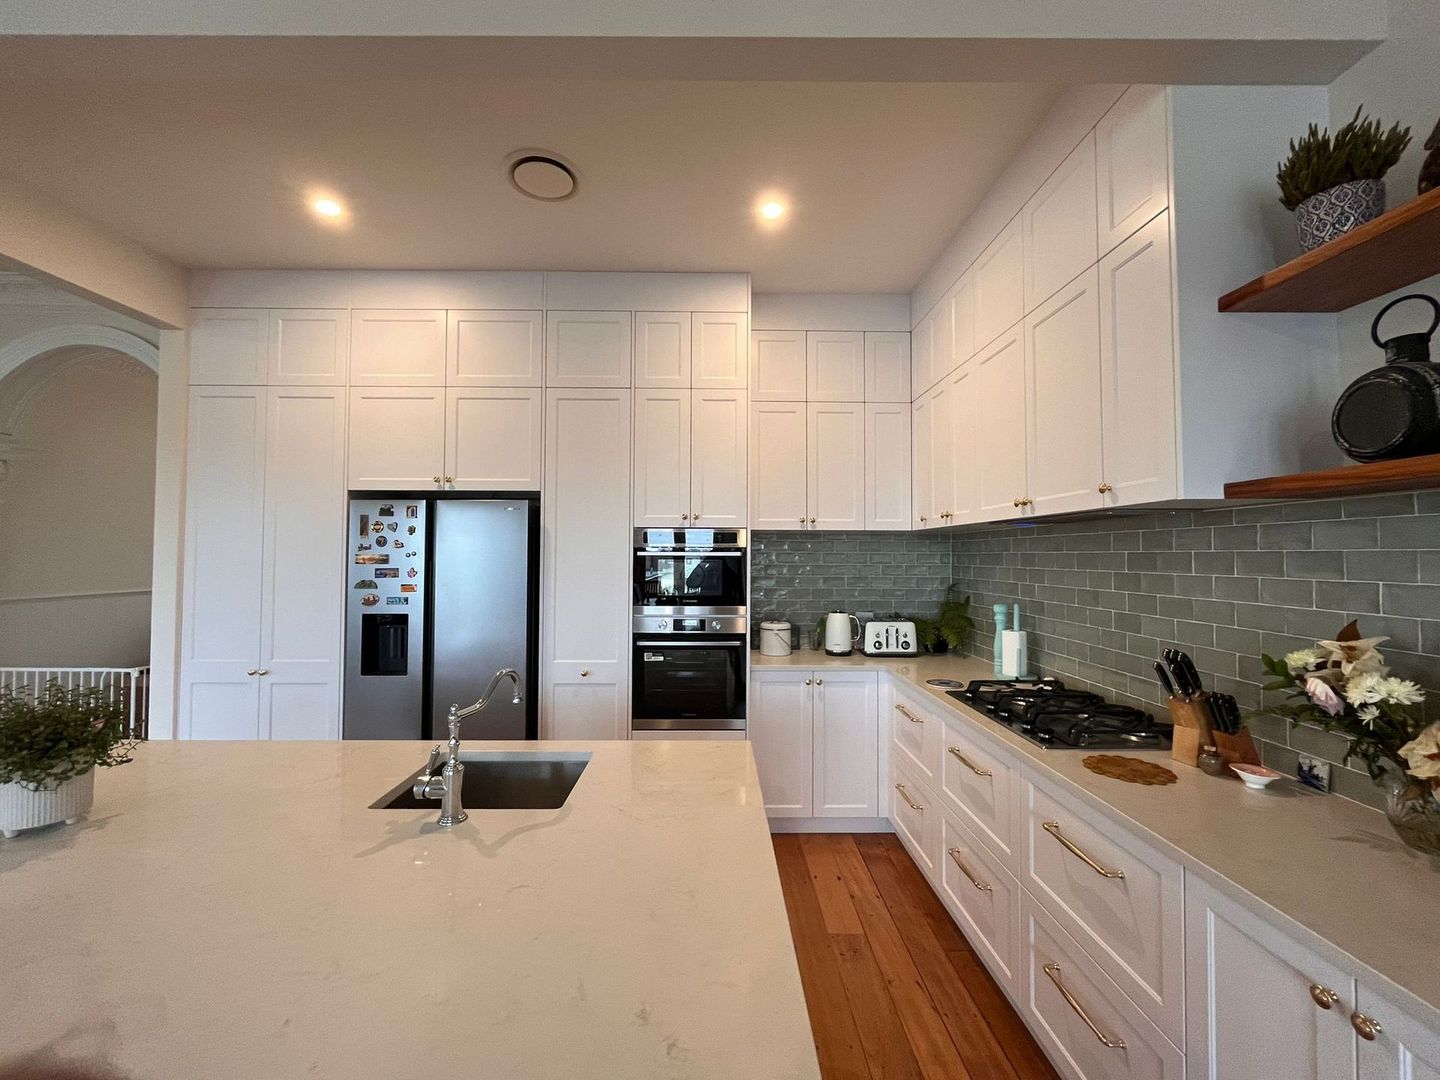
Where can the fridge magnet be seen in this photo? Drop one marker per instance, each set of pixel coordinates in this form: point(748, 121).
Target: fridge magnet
point(408, 588)
point(398, 601)
point(364, 525)
point(412, 511)
point(393, 526)
point(364, 547)
point(373, 559)
point(412, 572)
point(366, 583)
point(386, 510)
point(410, 554)
point(388, 571)
point(410, 529)
point(370, 599)
point(380, 541)
point(399, 545)
point(377, 526)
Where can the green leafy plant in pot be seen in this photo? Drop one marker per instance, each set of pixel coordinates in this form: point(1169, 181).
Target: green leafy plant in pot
point(50, 743)
point(1335, 183)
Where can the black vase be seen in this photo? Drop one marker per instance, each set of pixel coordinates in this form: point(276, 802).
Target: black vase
point(1393, 411)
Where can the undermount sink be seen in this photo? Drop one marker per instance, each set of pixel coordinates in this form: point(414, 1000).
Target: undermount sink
point(520, 780)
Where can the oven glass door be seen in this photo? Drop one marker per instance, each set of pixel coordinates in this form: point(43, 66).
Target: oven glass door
point(697, 579)
point(689, 682)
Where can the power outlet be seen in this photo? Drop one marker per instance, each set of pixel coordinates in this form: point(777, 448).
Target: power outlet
point(1314, 772)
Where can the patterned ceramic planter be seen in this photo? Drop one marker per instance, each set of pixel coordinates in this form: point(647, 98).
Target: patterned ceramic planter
point(1334, 212)
point(24, 807)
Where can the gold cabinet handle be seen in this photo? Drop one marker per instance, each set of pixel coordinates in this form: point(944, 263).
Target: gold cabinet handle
point(436, 479)
point(1016, 503)
point(802, 521)
point(967, 762)
point(1027, 501)
point(1104, 489)
point(907, 797)
point(809, 681)
point(1053, 828)
point(903, 711)
point(1053, 970)
point(1323, 996)
point(694, 517)
point(584, 673)
point(449, 479)
point(819, 681)
point(263, 671)
point(981, 885)
point(923, 519)
point(1367, 1027)
point(684, 517)
point(812, 521)
point(253, 671)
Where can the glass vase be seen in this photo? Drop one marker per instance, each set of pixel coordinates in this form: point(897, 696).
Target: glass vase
point(1414, 811)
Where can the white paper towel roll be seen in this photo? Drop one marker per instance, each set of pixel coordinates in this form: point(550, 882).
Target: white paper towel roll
point(1014, 654)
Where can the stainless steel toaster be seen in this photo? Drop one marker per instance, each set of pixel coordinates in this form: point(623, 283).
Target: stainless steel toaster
point(889, 639)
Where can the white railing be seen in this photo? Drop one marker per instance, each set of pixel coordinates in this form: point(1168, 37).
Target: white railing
point(127, 686)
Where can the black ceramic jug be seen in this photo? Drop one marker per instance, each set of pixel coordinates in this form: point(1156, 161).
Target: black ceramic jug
point(1393, 411)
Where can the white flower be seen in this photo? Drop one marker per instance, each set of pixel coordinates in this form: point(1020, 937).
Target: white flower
point(1323, 695)
point(1423, 753)
point(1369, 714)
point(1303, 660)
point(1401, 692)
point(1365, 689)
point(1355, 657)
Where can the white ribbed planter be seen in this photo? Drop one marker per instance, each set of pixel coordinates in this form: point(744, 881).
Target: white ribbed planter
point(24, 807)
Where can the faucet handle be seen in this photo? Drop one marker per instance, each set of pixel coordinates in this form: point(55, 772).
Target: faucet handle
point(453, 720)
point(435, 756)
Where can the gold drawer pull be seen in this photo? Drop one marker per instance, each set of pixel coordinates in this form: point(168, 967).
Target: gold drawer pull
point(903, 711)
point(1323, 996)
point(1367, 1027)
point(1053, 828)
point(982, 886)
point(967, 762)
point(906, 796)
point(1053, 970)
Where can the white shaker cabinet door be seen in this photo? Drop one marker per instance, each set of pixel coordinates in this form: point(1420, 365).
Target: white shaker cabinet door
point(1132, 157)
point(720, 350)
point(587, 348)
point(229, 346)
point(1402, 1047)
point(780, 728)
point(847, 744)
point(958, 430)
point(1000, 428)
point(777, 465)
point(1137, 369)
point(777, 365)
point(922, 472)
point(1059, 226)
point(495, 348)
point(887, 366)
point(396, 437)
point(835, 365)
point(397, 348)
point(494, 438)
point(585, 580)
point(224, 508)
point(1062, 354)
point(719, 457)
point(835, 452)
point(887, 466)
point(662, 458)
point(999, 277)
point(309, 347)
point(942, 460)
point(662, 350)
point(1257, 1001)
point(922, 356)
point(303, 577)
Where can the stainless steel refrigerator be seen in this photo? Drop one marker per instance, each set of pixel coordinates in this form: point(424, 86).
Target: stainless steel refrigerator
point(442, 591)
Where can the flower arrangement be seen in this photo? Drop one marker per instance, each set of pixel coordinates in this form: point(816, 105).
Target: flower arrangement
point(1344, 686)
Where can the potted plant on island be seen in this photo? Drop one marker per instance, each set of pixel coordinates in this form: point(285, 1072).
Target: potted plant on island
point(1336, 183)
point(1344, 686)
point(50, 743)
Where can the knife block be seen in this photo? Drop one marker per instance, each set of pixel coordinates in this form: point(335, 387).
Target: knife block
point(1237, 749)
point(1192, 728)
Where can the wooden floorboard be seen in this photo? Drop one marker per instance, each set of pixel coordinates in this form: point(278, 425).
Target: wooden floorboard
point(892, 986)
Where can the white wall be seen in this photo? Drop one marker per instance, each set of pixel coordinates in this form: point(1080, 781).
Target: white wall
point(830, 311)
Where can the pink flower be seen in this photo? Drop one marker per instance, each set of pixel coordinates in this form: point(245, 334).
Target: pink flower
point(1323, 695)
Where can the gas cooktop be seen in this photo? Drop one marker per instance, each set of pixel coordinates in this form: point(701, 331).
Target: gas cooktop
point(1052, 716)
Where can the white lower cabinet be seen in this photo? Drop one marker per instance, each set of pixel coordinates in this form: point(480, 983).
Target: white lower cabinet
point(983, 897)
point(915, 813)
point(780, 723)
point(980, 785)
point(1402, 1049)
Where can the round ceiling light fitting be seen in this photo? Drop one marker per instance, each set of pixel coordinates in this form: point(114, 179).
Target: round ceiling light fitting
point(541, 175)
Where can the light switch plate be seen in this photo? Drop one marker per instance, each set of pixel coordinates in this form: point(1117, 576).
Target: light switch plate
point(1314, 772)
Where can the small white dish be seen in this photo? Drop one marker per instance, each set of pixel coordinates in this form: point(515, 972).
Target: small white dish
point(1257, 777)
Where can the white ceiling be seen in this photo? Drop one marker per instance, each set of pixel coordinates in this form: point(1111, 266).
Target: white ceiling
point(213, 172)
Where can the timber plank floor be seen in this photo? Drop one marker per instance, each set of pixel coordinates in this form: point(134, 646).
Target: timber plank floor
point(892, 987)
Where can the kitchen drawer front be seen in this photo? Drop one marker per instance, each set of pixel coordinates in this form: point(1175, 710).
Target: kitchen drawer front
point(984, 898)
point(915, 731)
point(1120, 899)
point(1063, 993)
point(915, 813)
point(982, 788)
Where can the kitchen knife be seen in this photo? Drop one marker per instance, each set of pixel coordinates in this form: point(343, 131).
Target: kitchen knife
point(1182, 682)
point(1219, 718)
point(1232, 709)
point(1164, 679)
point(1192, 676)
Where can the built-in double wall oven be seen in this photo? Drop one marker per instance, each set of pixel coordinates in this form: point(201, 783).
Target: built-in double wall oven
point(690, 630)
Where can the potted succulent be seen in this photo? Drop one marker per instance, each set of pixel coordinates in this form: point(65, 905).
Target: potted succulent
point(1336, 183)
point(1344, 686)
point(50, 743)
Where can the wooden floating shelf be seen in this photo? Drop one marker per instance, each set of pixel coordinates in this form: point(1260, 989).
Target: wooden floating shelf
point(1405, 474)
point(1399, 248)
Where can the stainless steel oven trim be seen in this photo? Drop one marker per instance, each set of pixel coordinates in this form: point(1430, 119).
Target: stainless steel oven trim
point(696, 612)
point(687, 725)
point(640, 542)
point(678, 642)
point(693, 553)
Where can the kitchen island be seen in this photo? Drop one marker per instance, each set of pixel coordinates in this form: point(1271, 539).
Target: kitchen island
point(238, 910)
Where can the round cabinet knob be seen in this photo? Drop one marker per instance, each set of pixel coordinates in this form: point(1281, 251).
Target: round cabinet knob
point(694, 517)
point(584, 674)
point(684, 517)
point(1027, 502)
point(819, 682)
point(253, 671)
point(802, 520)
point(1105, 489)
point(812, 521)
point(1323, 996)
point(809, 681)
point(263, 671)
point(436, 479)
point(923, 519)
point(1367, 1027)
point(1016, 503)
point(449, 479)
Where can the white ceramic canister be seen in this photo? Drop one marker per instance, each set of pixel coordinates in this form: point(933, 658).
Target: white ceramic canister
point(774, 639)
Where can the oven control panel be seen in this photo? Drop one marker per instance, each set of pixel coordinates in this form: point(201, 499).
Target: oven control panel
point(690, 624)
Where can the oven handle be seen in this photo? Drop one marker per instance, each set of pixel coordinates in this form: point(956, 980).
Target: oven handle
point(691, 644)
point(693, 553)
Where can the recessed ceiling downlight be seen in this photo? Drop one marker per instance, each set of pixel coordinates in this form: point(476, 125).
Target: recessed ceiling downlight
point(542, 176)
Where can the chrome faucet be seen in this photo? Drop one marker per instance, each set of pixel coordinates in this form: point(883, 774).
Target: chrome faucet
point(447, 784)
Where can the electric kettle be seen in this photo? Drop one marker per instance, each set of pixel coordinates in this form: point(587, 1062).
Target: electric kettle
point(839, 641)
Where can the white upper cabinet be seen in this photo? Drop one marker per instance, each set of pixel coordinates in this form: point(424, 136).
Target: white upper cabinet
point(887, 465)
point(963, 327)
point(942, 352)
point(720, 350)
point(887, 366)
point(1132, 157)
point(308, 348)
point(846, 728)
point(777, 465)
point(1062, 352)
point(587, 348)
point(942, 469)
point(1000, 428)
point(494, 438)
point(999, 285)
point(229, 346)
point(1058, 227)
point(1137, 368)
point(397, 437)
point(397, 348)
point(922, 438)
point(777, 365)
point(662, 349)
point(718, 457)
point(495, 348)
point(835, 449)
point(922, 356)
point(835, 365)
point(958, 427)
point(662, 457)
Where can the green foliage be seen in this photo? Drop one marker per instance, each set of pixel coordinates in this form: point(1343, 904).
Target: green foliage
point(1361, 150)
point(928, 635)
point(955, 620)
point(59, 734)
